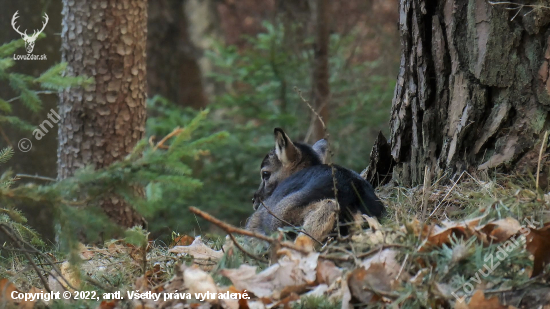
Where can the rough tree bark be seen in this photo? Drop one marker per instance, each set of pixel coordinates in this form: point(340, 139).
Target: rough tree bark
point(320, 85)
point(102, 123)
point(173, 70)
point(473, 88)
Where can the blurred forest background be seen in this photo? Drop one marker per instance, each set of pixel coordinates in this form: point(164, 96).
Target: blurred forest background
point(241, 60)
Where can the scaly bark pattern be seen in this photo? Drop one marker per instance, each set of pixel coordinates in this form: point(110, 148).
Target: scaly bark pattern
point(100, 124)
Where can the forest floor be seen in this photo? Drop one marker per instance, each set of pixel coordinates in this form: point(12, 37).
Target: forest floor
point(477, 242)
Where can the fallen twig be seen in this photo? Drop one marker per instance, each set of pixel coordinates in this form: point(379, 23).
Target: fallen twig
point(20, 241)
point(99, 285)
point(230, 229)
point(451, 190)
point(15, 239)
point(255, 257)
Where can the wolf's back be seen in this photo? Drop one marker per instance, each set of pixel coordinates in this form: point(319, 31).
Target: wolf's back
point(316, 183)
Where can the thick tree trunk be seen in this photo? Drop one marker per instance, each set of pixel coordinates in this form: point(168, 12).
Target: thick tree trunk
point(102, 123)
point(173, 70)
point(204, 31)
point(473, 88)
point(320, 85)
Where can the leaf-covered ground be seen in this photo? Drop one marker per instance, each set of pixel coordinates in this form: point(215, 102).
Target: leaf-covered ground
point(478, 242)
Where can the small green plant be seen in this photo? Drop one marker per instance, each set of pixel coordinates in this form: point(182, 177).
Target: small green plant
point(321, 302)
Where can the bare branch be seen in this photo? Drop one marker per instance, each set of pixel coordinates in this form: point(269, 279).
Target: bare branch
point(4, 228)
point(35, 177)
point(244, 251)
point(230, 229)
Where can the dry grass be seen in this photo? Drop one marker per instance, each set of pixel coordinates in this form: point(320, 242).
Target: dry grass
point(116, 266)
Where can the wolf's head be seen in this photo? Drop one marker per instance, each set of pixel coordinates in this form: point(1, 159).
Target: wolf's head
point(284, 160)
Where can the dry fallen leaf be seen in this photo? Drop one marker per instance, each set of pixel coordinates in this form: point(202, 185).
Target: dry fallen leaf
point(203, 255)
point(198, 250)
point(115, 248)
point(327, 272)
point(318, 291)
point(141, 283)
point(470, 223)
point(366, 284)
point(293, 271)
point(198, 281)
point(285, 302)
point(68, 277)
point(108, 304)
point(182, 240)
point(439, 235)
point(154, 275)
point(136, 253)
point(501, 230)
point(373, 222)
point(346, 294)
point(377, 275)
point(414, 227)
point(240, 303)
point(538, 244)
point(479, 301)
point(85, 253)
point(6, 288)
point(387, 257)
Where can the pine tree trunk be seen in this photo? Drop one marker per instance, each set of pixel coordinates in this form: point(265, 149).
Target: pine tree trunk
point(320, 84)
point(473, 89)
point(102, 123)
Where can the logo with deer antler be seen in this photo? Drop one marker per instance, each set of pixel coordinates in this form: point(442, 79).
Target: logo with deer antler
point(29, 40)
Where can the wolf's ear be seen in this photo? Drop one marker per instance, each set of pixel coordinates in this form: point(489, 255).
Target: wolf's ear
point(321, 148)
point(284, 148)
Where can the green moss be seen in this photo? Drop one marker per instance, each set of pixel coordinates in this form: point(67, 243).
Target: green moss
point(538, 120)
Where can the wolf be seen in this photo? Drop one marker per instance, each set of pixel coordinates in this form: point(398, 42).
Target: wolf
point(297, 188)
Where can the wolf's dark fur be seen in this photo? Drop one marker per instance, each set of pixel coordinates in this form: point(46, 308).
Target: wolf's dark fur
point(299, 189)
